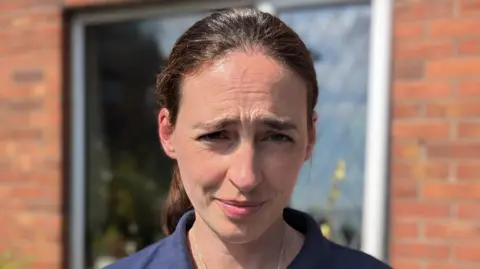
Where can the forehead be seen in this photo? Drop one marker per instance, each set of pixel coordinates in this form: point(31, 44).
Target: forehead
point(245, 82)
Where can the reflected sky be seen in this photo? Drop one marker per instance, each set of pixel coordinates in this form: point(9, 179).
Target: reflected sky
point(167, 30)
point(340, 35)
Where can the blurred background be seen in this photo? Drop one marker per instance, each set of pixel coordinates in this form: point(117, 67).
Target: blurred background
point(83, 177)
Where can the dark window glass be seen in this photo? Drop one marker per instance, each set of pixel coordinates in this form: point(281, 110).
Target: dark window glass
point(128, 174)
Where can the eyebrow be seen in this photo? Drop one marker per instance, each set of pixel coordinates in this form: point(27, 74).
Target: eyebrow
point(276, 123)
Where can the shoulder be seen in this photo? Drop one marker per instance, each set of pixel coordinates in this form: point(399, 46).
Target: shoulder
point(319, 252)
point(142, 259)
point(344, 257)
point(170, 252)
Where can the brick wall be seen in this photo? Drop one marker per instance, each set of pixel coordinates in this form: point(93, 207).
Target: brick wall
point(32, 208)
point(30, 131)
point(435, 164)
point(435, 132)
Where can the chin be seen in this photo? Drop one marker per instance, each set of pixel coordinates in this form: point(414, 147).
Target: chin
point(239, 231)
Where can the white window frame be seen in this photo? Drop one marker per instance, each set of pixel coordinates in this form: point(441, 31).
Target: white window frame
point(374, 226)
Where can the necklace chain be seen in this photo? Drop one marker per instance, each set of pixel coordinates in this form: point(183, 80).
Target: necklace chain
point(204, 265)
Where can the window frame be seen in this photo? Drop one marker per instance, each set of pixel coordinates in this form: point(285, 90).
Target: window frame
point(375, 204)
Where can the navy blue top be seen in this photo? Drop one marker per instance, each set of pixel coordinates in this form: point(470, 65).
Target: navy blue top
point(316, 252)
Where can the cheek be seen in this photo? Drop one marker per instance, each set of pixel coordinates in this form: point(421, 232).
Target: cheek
point(201, 177)
point(281, 167)
point(201, 170)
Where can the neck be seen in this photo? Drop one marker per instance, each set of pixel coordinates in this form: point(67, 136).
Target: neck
point(216, 253)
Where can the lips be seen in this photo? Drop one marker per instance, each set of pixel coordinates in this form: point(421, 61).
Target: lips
point(240, 203)
point(239, 209)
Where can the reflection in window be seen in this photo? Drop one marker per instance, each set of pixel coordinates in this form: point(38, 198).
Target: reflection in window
point(128, 174)
point(331, 186)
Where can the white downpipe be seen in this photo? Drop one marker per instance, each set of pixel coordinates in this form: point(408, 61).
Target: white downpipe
point(374, 228)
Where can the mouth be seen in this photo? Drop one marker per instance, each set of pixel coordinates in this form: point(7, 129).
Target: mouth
point(240, 203)
point(239, 209)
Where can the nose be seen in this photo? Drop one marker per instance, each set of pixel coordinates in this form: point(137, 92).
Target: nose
point(244, 172)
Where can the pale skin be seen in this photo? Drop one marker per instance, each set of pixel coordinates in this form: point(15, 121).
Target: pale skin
point(242, 133)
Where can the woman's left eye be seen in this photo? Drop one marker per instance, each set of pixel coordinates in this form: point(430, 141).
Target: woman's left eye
point(277, 137)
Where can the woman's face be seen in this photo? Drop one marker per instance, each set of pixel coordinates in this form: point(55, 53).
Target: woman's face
point(240, 140)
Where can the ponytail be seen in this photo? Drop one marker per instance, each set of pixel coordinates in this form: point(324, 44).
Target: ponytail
point(177, 203)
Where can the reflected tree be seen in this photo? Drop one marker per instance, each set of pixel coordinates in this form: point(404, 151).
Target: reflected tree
point(128, 173)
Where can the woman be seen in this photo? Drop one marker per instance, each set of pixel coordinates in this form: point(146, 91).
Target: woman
point(238, 97)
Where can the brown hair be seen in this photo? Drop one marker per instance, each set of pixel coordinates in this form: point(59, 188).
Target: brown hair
point(211, 38)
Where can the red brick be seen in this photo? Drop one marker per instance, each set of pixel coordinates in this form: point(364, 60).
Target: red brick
point(451, 190)
point(92, 3)
point(408, 70)
point(41, 265)
point(469, 7)
point(420, 210)
point(406, 110)
point(21, 91)
point(468, 130)
point(451, 229)
point(467, 252)
point(25, 104)
point(469, 46)
point(424, 49)
point(404, 189)
point(452, 265)
point(7, 6)
point(43, 252)
point(401, 263)
point(420, 170)
point(462, 67)
point(47, 58)
point(434, 181)
point(34, 134)
point(39, 226)
point(409, 90)
point(469, 88)
point(409, 30)
point(454, 151)
point(5, 192)
point(468, 171)
point(34, 75)
point(454, 28)
point(36, 192)
point(405, 229)
point(35, 18)
point(460, 108)
point(422, 10)
point(405, 149)
point(11, 176)
point(31, 73)
point(25, 33)
point(421, 250)
point(469, 211)
point(421, 129)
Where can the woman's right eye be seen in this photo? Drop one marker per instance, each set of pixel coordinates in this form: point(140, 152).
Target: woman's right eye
point(215, 136)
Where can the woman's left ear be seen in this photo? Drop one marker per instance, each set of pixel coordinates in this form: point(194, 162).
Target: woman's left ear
point(312, 136)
